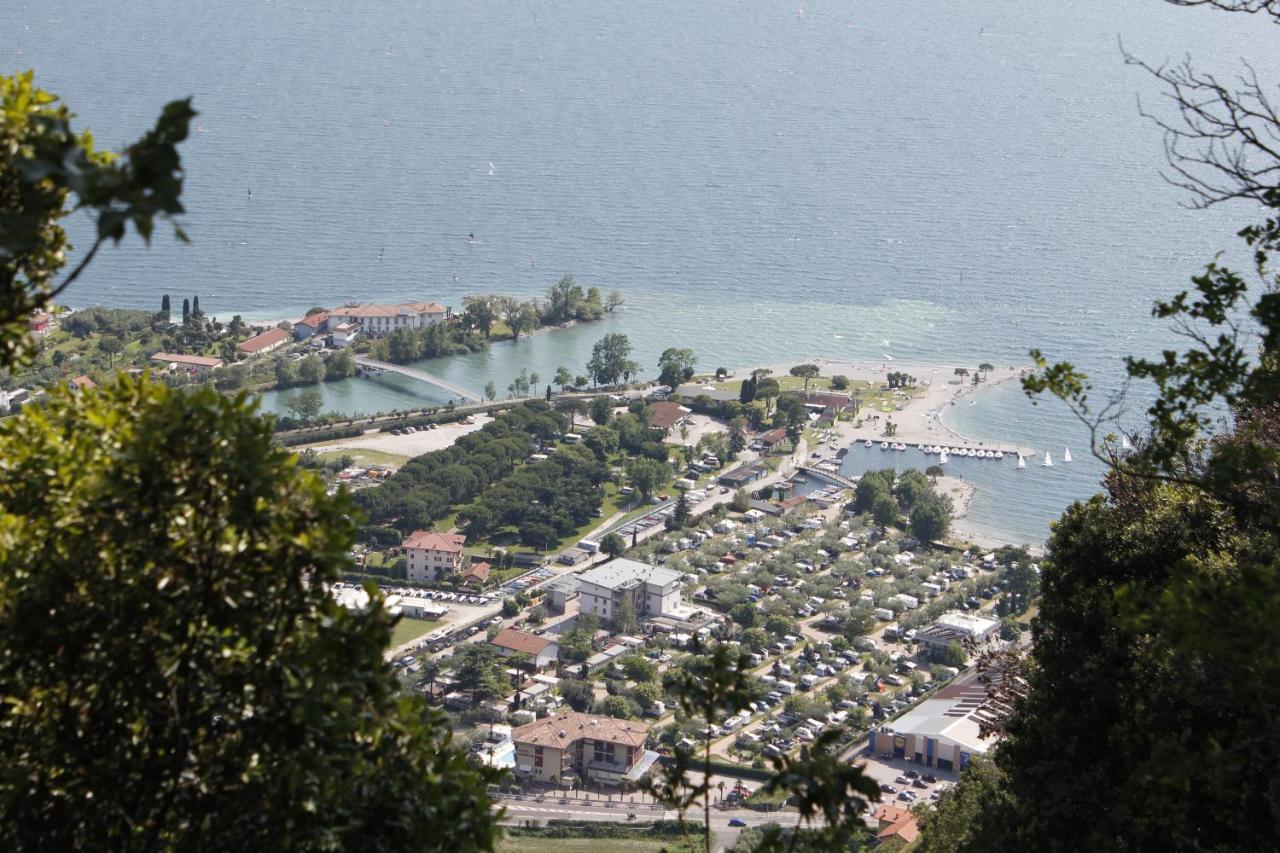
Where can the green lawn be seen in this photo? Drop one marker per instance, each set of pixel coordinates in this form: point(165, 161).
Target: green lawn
point(407, 630)
point(362, 456)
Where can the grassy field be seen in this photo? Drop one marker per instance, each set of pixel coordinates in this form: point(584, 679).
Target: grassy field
point(407, 630)
point(364, 456)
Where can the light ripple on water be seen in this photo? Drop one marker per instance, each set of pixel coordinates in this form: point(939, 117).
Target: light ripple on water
point(755, 184)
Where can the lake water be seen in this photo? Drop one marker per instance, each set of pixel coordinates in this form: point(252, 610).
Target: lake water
point(762, 180)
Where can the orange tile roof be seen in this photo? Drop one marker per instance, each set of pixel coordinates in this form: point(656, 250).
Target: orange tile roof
point(519, 641)
point(313, 320)
point(478, 569)
point(899, 822)
point(432, 541)
point(562, 730)
point(375, 310)
point(266, 340)
point(84, 383)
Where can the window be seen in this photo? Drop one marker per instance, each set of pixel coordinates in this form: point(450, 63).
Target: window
point(537, 756)
point(603, 752)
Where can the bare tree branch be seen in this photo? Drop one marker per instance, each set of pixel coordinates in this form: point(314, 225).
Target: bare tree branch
point(1222, 140)
point(1251, 7)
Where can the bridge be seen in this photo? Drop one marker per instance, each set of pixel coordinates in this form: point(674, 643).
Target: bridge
point(838, 479)
point(420, 375)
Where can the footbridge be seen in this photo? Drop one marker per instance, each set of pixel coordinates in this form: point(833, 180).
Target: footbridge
point(420, 375)
point(838, 479)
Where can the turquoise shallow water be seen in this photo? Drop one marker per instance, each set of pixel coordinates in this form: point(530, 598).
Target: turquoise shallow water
point(958, 183)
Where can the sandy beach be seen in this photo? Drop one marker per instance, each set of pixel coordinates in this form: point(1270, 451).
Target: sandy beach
point(919, 414)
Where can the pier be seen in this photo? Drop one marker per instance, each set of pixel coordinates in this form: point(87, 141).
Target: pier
point(420, 375)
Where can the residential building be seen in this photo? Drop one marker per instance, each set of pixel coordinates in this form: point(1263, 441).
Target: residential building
point(894, 822)
point(476, 574)
point(344, 334)
point(652, 590)
point(175, 363)
point(264, 343)
point(312, 325)
point(38, 324)
point(955, 627)
point(378, 320)
point(664, 416)
point(568, 744)
point(943, 731)
point(541, 651)
point(430, 555)
point(82, 383)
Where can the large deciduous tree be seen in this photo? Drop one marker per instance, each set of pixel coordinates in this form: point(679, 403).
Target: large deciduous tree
point(675, 366)
point(610, 359)
point(175, 672)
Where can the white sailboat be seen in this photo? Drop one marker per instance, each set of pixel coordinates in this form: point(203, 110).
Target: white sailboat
point(1048, 460)
point(1022, 463)
point(1125, 444)
point(1066, 454)
point(942, 460)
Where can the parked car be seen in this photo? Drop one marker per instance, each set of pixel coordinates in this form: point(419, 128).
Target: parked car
point(737, 821)
point(887, 788)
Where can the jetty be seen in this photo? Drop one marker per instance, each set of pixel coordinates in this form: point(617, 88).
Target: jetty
point(420, 375)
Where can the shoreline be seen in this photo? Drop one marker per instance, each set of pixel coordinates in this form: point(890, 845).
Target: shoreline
point(918, 417)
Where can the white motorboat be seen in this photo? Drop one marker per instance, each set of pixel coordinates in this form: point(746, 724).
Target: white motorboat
point(868, 443)
point(999, 454)
point(884, 445)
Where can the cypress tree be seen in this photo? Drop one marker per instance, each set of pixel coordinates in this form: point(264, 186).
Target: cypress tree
point(195, 305)
point(186, 310)
point(164, 303)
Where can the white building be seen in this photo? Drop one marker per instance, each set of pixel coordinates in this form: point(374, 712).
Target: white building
point(430, 555)
point(652, 590)
point(540, 651)
point(344, 334)
point(943, 731)
point(379, 320)
point(413, 607)
point(955, 627)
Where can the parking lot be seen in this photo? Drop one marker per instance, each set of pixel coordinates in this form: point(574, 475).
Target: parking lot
point(896, 776)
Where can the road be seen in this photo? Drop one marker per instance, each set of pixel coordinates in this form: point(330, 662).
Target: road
point(552, 807)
